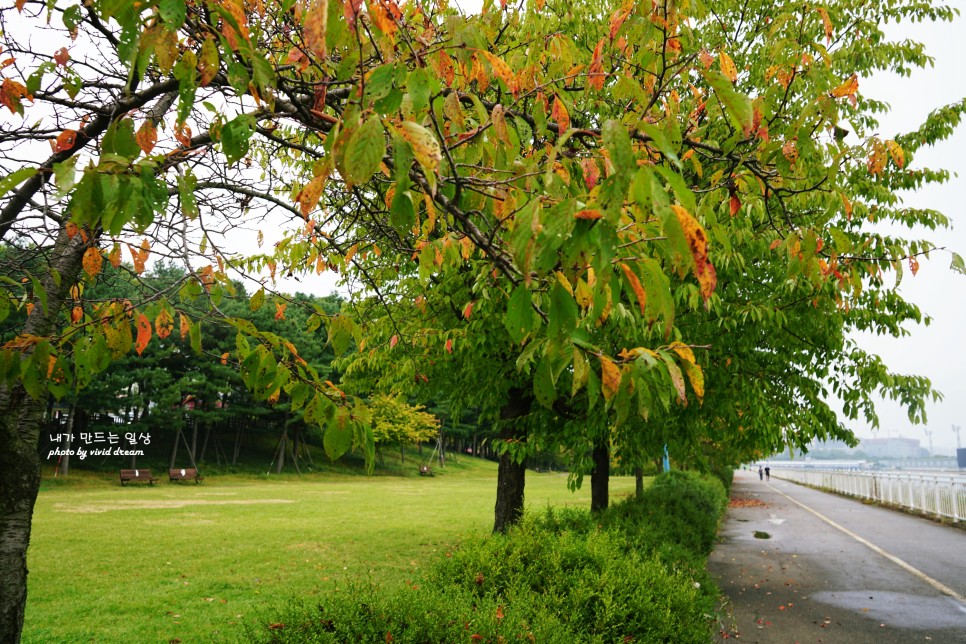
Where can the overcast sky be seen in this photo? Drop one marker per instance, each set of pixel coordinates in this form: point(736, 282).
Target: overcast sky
point(937, 351)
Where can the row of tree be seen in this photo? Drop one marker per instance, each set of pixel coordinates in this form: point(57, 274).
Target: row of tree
point(609, 227)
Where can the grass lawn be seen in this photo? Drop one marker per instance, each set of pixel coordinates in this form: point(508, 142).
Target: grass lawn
point(214, 562)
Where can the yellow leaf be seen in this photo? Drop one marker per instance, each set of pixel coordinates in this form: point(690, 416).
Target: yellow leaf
point(425, 146)
point(848, 88)
point(610, 378)
point(728, 67)
point(309, 196)
point(163, 324)
point(92, 261)
point(683, 350)
point(896, 152)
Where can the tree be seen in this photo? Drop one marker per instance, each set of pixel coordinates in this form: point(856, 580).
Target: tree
point(570, 180)
point(394, 422)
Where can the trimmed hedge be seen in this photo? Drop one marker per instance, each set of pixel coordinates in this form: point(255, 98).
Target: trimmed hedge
point(632, 574)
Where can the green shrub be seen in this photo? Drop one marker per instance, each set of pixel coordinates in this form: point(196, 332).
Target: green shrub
point(633, 573)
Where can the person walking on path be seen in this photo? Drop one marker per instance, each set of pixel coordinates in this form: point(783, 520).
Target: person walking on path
point(761, 477)
point(767, 473)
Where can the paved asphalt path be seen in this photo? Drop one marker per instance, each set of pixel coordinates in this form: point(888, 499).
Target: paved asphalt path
point(891, 578)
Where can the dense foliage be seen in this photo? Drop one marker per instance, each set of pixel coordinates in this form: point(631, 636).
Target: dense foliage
point(633, 573)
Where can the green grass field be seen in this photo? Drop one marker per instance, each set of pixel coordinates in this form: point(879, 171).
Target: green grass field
point(217, 561)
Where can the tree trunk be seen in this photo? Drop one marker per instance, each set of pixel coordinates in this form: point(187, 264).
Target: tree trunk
point(639, 482)
point(174, 448)
point(204, 443)
point(65, 462)
point(21, 421)
point(600, 477)
point(511, 475)
point(280, 461)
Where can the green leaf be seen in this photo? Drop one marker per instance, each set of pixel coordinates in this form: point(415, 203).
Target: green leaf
point(563, 311)
point(663, 145)
point(187, 74)
point(5, 306)
point(402, 213)
point(15, 178)
point(379, 82)
point(543, 382)
point(957, 264)
point(195, 336)
point(236, 135)
point(364, 151)
point(521, 319)
point(736, 105)
point(341, 333)
point(338, 435)
point(617, 142)
point(257, 300)
point(173, 13)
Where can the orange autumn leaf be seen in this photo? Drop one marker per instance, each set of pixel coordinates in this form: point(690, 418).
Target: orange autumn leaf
point(147, 137)
point(114, 257)
point(224, 357)
point(185, 325)
point(610, 377)
point(635, 283)
point(877, 158)
point(826, 22)
point(393, 341)
point(588, 214)
point(92, 261)
point(449, 346)
point(468, 310)
point(315, 26)
point(144, 333)
point(790, 151)
point(698, 244)
point(71, 229)
point(61, 56)
point(164, 324)
point(734, 204)
point(913, 265)
point(76, 314)
point(280, 310)
point(502, 71)
point(309, 196)
point(559, 114)
point(848, 88)
point(595, 73)
point(64, 141)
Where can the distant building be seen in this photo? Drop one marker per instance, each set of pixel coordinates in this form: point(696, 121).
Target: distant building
point(892, 448)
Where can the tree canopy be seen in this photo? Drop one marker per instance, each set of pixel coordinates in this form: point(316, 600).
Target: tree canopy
point(621, 224)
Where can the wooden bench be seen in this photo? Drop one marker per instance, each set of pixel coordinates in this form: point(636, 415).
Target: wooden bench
point(425, 471)
point(139, 476)
point(185, 474)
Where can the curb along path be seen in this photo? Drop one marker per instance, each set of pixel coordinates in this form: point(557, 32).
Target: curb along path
point(799, 565)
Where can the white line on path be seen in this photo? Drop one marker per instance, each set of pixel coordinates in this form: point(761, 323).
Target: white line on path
point(941, 587)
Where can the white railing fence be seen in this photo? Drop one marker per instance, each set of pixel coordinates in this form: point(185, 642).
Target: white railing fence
point(940, 495)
